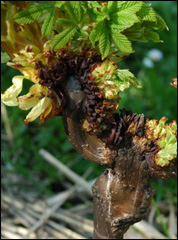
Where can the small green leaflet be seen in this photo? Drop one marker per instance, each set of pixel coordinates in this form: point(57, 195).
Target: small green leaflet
point(123, 21)
point(95, 14)
point(48, 24)
point(94, 4)
point(160, 23)
point(127, 78)
point(64, 37)
point(135, 34)
point(59, 4)
point(97, 31)
point(147, 13)
point(73, 8)
point(65, 22)
point(4, 57)
point(130, 6)
point(122, 42)
point(29, 16)
point(104, 43)
point(112, 7)
point(152, 36)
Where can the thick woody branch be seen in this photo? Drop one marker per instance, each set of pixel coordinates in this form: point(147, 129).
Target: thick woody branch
point(122, 194)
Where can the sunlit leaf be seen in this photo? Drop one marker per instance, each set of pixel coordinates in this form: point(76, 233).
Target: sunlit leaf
point(64, 37)
point(147, 13)
point(152, 36)
point(74, 10)
point(104, 43)
point(97, 31)
point(122, 41)
point(65, 22)
point(34, 13)
point(48, 24)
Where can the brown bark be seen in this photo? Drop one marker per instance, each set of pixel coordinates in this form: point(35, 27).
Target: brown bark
point(122, 194)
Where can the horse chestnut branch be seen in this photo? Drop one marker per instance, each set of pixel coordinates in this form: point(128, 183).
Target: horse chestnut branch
point(74, 76)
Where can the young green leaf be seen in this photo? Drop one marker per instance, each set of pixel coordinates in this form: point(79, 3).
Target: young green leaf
point(65, 22)
point(130, 6)
point(122, 42)
point(112, 7)
point(59, 4)
point(97, 31)
point(161, 24)
point(34, 13)
point(135, 34)
point(104, 43)
point(94, 4)
point(64, 37)
point(48, 24)
point(147, 13)
point(74, 10)
point(152, 36)
point(84, 6)
point(122, 21)
point(95, 14)
point(127, 78)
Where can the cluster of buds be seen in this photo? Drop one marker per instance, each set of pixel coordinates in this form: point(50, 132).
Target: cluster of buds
point(102, 85)
point(118, 129)
point(165, 137)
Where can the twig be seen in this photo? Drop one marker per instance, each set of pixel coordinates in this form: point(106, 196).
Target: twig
point(148, 230)
point(76, 217)
point(172, 226)
point(15, 229)
point(69, 233)
point(48, 214)
point(80, 225)
point(68, 172)
point(56, 198)
point(151, 214)
point(10, 235)
point(55, 234)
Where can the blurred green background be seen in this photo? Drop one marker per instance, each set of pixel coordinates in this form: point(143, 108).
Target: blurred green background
point(155, 99)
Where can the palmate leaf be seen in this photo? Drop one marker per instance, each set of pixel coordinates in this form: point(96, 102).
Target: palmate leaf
point(121, 41)
point(104, 43)
point(34, 13)
point(64, 37)
point(48, 24)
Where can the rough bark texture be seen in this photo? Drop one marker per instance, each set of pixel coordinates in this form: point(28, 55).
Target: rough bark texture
point(122, 194)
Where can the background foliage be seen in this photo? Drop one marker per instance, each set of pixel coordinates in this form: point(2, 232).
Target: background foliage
point(156, 99)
